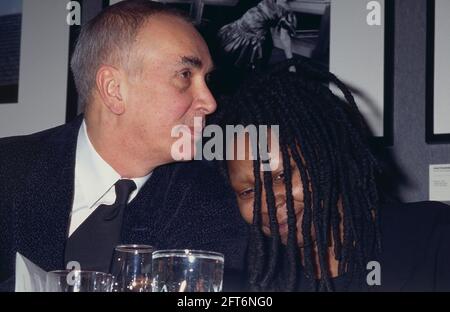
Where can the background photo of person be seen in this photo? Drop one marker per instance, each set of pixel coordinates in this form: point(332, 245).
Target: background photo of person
point(250, 35)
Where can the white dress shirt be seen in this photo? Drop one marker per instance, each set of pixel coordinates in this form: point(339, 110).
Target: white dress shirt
point(94, 181)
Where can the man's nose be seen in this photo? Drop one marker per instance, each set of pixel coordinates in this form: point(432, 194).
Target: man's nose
point(207, 102)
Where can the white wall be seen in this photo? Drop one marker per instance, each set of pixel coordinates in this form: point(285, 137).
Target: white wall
point(357, 56)
point(43, 70)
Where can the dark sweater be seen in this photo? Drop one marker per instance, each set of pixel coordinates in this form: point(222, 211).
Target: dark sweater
point(182, 205)
point(415, 250)
point(416, 247)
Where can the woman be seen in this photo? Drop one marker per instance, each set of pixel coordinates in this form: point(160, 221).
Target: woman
point(318, 220)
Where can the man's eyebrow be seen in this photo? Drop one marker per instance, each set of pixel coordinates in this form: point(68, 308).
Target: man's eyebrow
point(194, 61)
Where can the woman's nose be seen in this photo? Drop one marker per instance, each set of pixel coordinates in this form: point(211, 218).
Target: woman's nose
point(280, 204)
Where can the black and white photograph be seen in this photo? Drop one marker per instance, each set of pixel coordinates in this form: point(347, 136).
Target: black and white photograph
point(254, 35)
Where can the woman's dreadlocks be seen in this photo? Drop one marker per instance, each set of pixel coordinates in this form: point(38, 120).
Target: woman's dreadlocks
point(328, 140)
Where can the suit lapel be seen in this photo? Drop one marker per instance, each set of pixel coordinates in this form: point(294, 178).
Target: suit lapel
point(50, 191)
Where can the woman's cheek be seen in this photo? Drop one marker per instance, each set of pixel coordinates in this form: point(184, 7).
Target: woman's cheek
point(246, 210)
point(297, 187)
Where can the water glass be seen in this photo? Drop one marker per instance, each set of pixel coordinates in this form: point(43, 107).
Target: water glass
point(187, 271)
point(78, 281)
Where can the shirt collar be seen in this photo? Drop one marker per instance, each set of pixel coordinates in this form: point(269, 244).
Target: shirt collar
point(95, 175)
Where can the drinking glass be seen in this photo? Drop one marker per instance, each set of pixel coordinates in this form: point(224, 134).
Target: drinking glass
point(187, 271)
point(132, 268)
point(78, 281)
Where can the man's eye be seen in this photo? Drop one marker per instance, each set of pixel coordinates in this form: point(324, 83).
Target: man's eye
point(246, 193)
point(211, 81)
point(208, 77)
point(187, 74)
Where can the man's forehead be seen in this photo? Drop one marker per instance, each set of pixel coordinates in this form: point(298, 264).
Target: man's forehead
point(176, 45)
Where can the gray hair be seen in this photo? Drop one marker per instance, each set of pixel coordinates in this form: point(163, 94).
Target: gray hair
point(108, 39)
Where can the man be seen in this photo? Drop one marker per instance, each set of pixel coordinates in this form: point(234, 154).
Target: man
point(76, 191)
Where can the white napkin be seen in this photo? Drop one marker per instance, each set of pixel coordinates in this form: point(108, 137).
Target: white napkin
point(29, 277)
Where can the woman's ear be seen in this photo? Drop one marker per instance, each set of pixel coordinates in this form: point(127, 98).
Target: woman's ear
point(109, 86)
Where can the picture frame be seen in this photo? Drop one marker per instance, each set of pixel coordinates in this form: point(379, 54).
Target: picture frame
point(438, 65)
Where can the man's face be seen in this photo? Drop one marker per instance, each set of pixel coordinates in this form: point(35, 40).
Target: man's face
point(166, 85)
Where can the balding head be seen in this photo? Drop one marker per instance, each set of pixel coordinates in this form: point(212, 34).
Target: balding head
point(108, 39)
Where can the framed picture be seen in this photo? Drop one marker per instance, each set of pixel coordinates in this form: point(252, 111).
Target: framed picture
point(438, 69)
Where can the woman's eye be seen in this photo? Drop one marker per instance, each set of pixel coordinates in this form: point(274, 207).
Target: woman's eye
point(279, 178)
point(246, 193)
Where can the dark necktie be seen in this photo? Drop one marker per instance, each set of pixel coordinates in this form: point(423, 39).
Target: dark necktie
point(92, 243)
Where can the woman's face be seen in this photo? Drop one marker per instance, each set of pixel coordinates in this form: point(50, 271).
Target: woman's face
point(243, 183)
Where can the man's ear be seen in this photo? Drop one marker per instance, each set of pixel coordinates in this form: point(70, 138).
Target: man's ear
point(109, 82)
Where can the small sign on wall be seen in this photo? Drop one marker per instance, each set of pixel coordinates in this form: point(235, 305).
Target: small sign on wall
point(440, 182)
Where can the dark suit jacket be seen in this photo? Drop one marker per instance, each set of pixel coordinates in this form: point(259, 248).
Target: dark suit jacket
point(182, 205)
